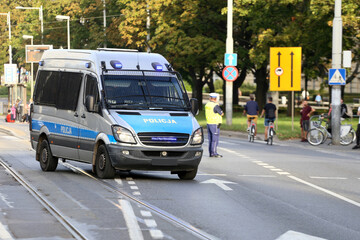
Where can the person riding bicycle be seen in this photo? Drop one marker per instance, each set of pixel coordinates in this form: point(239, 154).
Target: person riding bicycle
point(270, 115)
point(252, 111)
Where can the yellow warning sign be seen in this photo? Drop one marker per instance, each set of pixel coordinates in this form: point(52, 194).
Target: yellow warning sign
point(285, 69)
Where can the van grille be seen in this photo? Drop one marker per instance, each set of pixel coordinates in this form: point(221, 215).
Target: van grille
point(163, 139)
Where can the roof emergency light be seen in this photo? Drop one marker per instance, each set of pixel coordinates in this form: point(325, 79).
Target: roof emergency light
point(116, 64)
point(157, 66)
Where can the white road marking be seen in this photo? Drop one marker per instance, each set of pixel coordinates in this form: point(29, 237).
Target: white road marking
point(229, 143)
point(156, 234)
point(228, 150)
point(220, 183)
point(269, 166)
point(212, 174)
point(276, 170)
point(326, 191)
point(137, 193)
point(118, 181)
point(257, 161)
point(329, 178)
point(145, 213)
point(4, 234)
point(283, 173)
point(134, 187)
point(261, 176)
point(3, 198)
point(150, 223)
point(131, 221)
point(131, 182)
point(129, 179)
point(292, 235)
point(262, 164)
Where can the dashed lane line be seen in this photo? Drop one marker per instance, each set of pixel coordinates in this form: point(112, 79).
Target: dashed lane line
point(131, 221)
point(329, 178)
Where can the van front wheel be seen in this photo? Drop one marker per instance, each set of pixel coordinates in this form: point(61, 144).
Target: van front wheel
point(48, 163)
point(103, 166)
point(187, 175)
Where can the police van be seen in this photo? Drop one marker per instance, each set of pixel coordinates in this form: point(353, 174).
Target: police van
point(115, 109)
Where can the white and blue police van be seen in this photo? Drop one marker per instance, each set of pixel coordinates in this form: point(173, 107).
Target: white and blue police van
point(115, 109)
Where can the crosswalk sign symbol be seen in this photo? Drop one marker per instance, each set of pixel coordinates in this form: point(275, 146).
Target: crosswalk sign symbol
point(337, 76)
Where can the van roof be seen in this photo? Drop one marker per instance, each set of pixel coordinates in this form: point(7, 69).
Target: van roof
point(76, 59)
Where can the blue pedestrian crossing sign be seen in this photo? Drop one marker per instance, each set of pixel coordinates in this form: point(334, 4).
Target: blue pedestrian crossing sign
point(337, 76)
point(230, 59)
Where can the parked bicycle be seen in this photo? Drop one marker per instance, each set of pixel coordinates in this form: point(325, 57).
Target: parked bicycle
point(251, 133)
point(319, 133)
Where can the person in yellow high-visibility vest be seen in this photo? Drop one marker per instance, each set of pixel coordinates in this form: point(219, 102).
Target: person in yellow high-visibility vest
point(213, 114)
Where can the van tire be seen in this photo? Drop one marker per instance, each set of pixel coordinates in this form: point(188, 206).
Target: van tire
point(187, 175)
point(103, 166)
point(48, 163)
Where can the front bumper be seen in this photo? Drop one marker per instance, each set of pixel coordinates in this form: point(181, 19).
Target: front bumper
point(140, 158)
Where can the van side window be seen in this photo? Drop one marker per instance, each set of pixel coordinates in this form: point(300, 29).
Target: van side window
point(47, 86)
point(68, 91)
point(91, 88)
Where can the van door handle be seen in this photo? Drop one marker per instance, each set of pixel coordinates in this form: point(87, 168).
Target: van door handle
point(83, 116)
point(76, 115)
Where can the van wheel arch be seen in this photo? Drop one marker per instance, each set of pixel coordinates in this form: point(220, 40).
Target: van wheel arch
point(42, 137)
point(96, 147)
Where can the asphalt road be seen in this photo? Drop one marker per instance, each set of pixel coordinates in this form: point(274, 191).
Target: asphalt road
point(290, 190)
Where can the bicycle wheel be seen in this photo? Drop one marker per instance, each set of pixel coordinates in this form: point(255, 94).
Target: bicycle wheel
point(252, 133)
point(271, 136)
point(354, 138)
point(325, 134)
point(315, 136)
point(347, 138)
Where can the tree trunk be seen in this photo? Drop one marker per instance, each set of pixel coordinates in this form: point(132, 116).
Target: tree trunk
point(237, 83)
point(262, 86)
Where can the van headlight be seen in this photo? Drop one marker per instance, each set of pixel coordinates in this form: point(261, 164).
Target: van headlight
point(197, 137)
point(123, 135)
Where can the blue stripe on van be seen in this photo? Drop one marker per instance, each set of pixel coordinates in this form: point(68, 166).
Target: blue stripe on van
point(65, 130)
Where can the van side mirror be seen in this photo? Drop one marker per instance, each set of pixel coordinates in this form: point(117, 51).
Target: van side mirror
point(90, 103)
point(194, 106)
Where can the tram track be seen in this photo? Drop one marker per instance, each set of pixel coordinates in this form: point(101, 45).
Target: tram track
point(161, 213)
point(63, 220)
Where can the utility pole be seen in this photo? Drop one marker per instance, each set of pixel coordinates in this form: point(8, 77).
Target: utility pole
point(336, 64)
point(104, 15)
point(229, 49)
point(148, 27)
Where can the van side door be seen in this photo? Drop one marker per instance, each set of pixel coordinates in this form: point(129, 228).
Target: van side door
point(90, 121)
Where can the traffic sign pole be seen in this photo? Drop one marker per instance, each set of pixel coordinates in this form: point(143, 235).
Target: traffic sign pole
point(229, 49)
point(336, 64)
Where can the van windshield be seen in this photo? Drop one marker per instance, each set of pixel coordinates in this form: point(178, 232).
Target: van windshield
point(148, 91)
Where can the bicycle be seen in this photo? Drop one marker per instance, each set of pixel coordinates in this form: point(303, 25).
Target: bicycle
point(251, 134)
point(271, 133)
point(319, 133)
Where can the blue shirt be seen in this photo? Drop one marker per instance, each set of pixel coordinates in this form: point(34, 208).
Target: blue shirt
point(252, 108)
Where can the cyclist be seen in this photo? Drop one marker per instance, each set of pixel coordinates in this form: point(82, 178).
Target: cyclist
point(270, 115)
point(252, 111)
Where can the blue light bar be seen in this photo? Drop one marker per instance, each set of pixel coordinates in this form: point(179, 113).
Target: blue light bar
point(41, 63)
point(88, 65)
point(116, 64)
point(157, 66)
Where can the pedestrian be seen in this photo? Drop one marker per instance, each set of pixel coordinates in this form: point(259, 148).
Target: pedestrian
point(270, 115)
point(9, 117)
point(252, 111)
point(305, 112)
point(213, 114)
point(13, 112)
point(343, 110)
point(357, 132)
point(318, 99)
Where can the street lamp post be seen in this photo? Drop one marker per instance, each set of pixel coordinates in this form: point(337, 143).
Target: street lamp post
point(32, 66)
point(41, 17)
point(62, 18)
